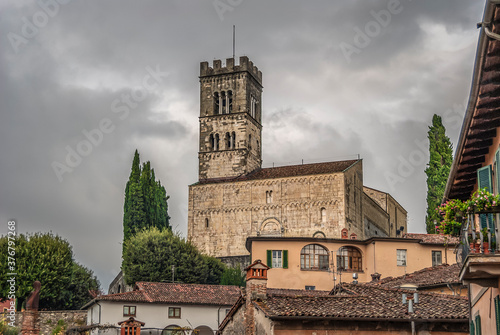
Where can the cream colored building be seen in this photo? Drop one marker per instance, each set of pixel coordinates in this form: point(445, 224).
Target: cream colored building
point(313, 263)
point(236, 198)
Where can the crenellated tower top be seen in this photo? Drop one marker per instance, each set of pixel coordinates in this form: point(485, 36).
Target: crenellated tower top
point(245, 65)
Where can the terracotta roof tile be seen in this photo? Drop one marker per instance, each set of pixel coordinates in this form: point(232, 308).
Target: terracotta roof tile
point(287, 171)
point(432, 276)
point(196, 294)
point(433, 238)
point(365, 302)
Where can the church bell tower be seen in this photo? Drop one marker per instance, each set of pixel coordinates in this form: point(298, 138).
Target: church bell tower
point(230, 119)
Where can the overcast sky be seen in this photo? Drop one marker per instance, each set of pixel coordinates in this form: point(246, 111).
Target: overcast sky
point(340, 78)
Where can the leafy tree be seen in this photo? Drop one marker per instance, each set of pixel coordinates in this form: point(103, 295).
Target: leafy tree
point(150, 254)
point(47, 258)
point(233, 276)
point(83, 281)
point(437, 171)
point(145, 200)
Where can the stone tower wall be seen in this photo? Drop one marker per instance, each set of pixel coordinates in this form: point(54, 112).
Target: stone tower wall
point(238, 210)
point(244, 81)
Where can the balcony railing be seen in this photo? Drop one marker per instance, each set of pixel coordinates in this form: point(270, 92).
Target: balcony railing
point(473, 239)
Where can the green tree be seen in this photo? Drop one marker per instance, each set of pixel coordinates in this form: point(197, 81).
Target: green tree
point(437, 171)
point(82, 283)
point(145, 202)
point(44, 257)
point(233, 276)
point(150, 254)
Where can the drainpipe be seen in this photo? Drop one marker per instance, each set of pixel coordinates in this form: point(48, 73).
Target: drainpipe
point(413, 332)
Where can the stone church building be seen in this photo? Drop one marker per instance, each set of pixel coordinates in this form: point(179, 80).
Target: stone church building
point(235, 197)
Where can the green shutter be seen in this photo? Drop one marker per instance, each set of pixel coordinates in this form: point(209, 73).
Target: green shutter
point(285, 259)
point(270, 258)
point(478, 325)
point(484, 181)
point(472, 328)
point(497, 313)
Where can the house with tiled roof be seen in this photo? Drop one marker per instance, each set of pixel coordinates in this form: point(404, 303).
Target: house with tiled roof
point(348, 309)
point(235, 197)
point(320, 263)
point(164, 306)
point(476, 166)
point(438, 279)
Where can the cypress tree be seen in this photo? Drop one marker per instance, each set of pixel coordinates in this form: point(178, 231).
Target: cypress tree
point(437, 171)
point(145, 202)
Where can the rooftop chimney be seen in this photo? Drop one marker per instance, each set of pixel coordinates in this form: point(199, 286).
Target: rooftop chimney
point(256, 288)
point(375, 277)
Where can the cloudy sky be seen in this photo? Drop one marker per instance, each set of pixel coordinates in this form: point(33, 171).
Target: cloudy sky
point(340, 78)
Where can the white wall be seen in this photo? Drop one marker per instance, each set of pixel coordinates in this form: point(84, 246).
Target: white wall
point(156, 315)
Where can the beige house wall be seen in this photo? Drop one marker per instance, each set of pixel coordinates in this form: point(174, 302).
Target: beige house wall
point(483, 304)
point(377, 256)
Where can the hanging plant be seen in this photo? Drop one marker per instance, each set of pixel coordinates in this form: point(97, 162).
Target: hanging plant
point(454, 210)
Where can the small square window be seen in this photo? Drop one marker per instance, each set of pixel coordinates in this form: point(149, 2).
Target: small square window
point(128, 310)
point(174, 312)
point(310, 288)
point(401, 257)
point(436, 258)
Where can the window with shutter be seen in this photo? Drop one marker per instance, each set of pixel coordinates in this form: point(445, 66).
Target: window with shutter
point(484, 181)
point(478, 324)
point(270, 258)
point(497, 313)
point(497, 171)
point(285, 259)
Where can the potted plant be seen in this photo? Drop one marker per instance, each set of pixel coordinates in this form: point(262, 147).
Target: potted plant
point(486, 246)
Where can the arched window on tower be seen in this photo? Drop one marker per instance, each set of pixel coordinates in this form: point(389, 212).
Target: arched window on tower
point(216, 142)
point(314, 257)
point(349, 259)
point(233, 140)
point(227, 140)
point(323, 215)
point(223, 98)
point(230, 101)
point(207, 223)
point(216, 103)
point(212, 142)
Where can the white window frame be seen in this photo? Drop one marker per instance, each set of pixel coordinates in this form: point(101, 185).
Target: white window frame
point(277, 256)
point(401, 257)
point(434, 254)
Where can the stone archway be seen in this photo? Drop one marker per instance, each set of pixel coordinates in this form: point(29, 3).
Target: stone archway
point(271, 227)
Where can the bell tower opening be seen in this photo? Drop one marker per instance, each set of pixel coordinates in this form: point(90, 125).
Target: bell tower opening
point(230, 110)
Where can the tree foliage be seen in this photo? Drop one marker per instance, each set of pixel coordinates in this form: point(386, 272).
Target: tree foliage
point(145, 200)
point(233, 276)
point(150, 254)
point(437, 171)
point(47, 258)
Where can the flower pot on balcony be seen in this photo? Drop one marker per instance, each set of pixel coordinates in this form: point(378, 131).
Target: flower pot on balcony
point(472, 247)
point(486, 247)
point(478, 247)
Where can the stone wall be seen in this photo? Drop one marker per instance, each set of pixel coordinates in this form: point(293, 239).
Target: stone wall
point(226, 162)
point(222, 215)
point(376, 220)
point(48, 320)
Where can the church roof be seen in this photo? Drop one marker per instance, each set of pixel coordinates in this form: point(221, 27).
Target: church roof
point(288, 171)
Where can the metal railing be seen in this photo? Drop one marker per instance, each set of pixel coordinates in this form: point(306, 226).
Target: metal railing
point(482, 241)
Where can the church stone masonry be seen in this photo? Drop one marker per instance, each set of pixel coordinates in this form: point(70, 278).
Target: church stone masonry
point(235, 198)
